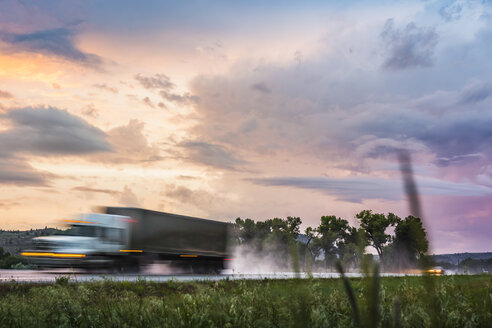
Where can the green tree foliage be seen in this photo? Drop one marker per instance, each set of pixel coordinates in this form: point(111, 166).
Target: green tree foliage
point(351, 248)
point(271, 236)
point(279, 230)
point(7, 260)
point(335, 238)
point(409, 245)
point(411, 239)
point(375, 225)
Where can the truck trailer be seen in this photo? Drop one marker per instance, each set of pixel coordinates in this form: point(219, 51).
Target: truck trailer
point(127, 238)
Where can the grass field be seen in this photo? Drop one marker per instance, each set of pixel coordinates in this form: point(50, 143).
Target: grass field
point(464, 301)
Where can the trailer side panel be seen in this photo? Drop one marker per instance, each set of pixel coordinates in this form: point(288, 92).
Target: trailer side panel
point(166, 233)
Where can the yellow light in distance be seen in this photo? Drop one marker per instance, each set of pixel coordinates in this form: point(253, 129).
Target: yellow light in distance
point(131, 250)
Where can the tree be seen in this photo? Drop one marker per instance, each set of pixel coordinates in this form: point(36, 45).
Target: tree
point(410, 241)
point(351, 247)
point(375, 225)
point(274, 236)
point(329, 237)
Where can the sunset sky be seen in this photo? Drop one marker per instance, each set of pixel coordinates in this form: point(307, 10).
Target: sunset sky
point(254, 109)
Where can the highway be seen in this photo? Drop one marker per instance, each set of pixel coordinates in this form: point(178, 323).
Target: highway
point(48, 276)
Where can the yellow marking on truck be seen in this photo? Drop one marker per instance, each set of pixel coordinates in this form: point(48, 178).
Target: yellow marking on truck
point(51, 254)
point(80, 221)
point(67, 255)
point(187, 255)
point(131, 250)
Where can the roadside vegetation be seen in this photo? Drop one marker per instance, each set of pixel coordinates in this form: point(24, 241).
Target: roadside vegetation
point(465, 301)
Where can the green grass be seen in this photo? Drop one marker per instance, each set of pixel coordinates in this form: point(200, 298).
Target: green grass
point(465, 301)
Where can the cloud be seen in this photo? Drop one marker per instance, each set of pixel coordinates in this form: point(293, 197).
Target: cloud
point(357, 189)
point(130, 145)
point(475, 92)
point(369, 146)
point(163, 84)
point(125, 197)
point(458, 159)
point(261, 87)
point(128, 198)
point(183, 99)
point(411, 46)
point(212, 155)
point(157, 81)
point(19, 172)
point(451, 11)
point(50, 131)
point(105, 87)
point(6, 95)
point(197, 198)
point(58, 42)
point(345, 118)
point(148, 102)
point(91, 111)
point(45, 131)
point(95, 190)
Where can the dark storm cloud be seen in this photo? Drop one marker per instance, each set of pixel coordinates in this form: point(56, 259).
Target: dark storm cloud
point(449, 136)
point(411, 46)
point(356, 189)
point(50, 131)
point(211, 155)
point(459, 135)
point(59, 42)
point(6, 94)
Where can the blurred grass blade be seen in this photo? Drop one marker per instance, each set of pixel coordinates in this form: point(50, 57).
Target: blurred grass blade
point(373, 298)
point(409, 183)
point(396, 313)
point(350, 294)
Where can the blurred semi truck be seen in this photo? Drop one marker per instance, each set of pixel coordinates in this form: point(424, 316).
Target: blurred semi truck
point(125, 239)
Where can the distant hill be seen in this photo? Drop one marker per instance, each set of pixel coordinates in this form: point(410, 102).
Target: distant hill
point(13, 241)
point(457, 258)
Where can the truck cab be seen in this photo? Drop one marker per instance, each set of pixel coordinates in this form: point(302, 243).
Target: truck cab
point(90, 240)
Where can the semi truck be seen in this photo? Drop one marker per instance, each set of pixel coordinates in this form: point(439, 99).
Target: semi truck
point(126, 238)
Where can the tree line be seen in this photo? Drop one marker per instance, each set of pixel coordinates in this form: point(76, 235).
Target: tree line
point(399, 243)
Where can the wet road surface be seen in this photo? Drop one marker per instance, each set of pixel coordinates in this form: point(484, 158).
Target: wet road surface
point(47, 276)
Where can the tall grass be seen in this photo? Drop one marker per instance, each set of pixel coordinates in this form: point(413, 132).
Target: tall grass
point(466, 301)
